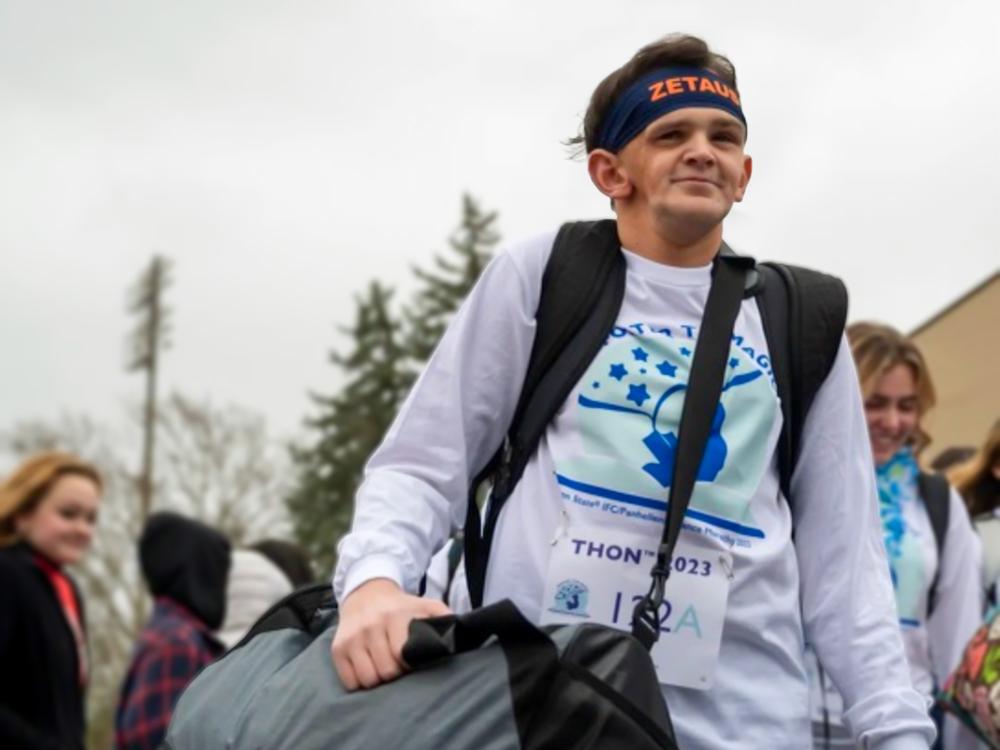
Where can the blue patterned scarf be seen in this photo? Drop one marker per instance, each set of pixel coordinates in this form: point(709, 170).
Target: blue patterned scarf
point(897, 486)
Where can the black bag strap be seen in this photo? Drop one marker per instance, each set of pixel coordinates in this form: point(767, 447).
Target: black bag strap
point(701, 401)
point(582, 292)
point(532, 658)
point(804, 313)
point(936, 495)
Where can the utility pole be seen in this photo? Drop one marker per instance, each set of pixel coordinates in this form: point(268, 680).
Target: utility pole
point(145, 342)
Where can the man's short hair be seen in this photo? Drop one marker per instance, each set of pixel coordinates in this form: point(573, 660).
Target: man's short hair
point(675, 50)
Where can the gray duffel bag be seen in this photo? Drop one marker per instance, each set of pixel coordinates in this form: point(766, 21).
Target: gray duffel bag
point(488, 680)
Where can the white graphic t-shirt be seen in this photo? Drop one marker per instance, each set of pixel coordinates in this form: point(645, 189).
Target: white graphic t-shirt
point(601, 474)
point(613, 447)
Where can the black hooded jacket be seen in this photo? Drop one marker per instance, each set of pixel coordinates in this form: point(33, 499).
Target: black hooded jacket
point(188, 562)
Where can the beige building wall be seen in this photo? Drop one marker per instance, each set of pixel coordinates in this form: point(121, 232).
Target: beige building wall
point(962, 348)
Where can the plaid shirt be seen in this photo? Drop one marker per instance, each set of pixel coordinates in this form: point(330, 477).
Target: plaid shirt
point(173, 647)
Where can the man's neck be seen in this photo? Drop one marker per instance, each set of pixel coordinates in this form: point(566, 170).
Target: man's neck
point(683, 249)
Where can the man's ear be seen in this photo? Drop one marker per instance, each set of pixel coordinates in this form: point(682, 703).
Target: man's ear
point(744, 178)
point(608, 175)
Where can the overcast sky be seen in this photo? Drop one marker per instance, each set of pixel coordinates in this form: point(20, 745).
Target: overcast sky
point(284, 153)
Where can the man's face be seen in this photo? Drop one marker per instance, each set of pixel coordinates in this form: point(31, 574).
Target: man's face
point(688, 167)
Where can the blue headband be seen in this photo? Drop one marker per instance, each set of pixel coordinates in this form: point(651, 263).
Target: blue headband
point(659, 92)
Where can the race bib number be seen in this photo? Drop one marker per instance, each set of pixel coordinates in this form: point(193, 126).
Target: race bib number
point(598, 576)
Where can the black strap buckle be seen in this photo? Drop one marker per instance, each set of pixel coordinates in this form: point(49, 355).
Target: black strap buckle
point(646, 615)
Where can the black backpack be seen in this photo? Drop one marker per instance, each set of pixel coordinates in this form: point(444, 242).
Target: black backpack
point(803, 313)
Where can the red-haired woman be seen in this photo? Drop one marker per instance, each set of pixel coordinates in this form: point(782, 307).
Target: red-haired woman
point(48, 509)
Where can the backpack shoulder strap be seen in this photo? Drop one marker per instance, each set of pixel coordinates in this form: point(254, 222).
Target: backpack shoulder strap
point(582, 291)
point(936, 495)
point(804, 313)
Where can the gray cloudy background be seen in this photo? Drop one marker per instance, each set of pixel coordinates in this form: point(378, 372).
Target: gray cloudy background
point(282, 154)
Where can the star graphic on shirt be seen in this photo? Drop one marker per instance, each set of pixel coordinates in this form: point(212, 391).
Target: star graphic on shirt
point(666, 368)
point(618, 371)
point(685, 351)
point(640, 354)
point(734, 362)
point(637, 394)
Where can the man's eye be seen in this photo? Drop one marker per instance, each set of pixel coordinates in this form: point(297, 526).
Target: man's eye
point(670, 135)
point(726, 138)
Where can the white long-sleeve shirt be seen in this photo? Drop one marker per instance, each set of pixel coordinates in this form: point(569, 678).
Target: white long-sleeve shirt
point(593, 469)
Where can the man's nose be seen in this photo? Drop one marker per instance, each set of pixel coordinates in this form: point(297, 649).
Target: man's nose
point(700, 149)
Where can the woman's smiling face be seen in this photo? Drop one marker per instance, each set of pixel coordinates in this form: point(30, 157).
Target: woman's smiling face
point(61, 525)
point(892, 411)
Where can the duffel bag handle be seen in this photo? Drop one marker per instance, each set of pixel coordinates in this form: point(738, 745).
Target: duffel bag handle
point(532, 657)
point(440, 637)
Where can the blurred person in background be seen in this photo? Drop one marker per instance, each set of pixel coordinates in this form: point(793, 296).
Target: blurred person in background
point(185, 564)
point(290, 558)
point(978, 481)
point(949, 458)
point(258, 577)
point(938, 599)
point(48, 511)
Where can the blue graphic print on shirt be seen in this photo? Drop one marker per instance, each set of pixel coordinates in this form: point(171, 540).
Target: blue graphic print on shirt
point(629, 415)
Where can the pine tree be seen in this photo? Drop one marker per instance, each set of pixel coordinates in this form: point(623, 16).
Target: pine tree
point(350, 425)
point(449, 281)
point(379, 370)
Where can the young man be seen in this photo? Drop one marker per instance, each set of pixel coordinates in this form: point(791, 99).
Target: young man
point(665, 141)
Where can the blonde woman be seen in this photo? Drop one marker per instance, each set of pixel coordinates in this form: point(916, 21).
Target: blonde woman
point(938, 595)
point(48, 510)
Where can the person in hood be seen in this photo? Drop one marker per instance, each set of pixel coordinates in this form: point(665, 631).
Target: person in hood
point(185, 564)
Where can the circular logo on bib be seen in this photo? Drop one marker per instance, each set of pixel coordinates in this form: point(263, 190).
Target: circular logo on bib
point(571, 598)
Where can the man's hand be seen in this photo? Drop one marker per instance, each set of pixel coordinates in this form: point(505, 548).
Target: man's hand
point(374, 620)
